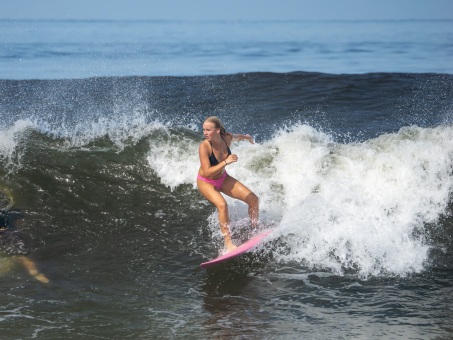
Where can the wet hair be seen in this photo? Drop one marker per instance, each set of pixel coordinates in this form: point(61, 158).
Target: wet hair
point(6, 199)
point(217, 123)
point(11, 241)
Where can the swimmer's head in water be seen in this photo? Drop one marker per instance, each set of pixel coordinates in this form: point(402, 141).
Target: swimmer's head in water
point(6, 199)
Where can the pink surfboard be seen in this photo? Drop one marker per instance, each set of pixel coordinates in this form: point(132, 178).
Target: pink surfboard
point(243, 248)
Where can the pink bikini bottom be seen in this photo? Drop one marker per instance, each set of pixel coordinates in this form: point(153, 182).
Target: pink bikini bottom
point(217, 183)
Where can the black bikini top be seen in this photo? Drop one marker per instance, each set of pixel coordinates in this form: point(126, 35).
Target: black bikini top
point(212, 158)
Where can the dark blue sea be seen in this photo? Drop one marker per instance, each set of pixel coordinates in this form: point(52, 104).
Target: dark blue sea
point(100, 123)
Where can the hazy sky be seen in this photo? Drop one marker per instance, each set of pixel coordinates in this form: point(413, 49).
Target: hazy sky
point(226, 9)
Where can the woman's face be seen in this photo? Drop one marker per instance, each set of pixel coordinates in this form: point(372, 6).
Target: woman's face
point(209, 130)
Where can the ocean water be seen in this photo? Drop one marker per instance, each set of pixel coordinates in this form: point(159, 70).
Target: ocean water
point(100, 127)
point(80, 49)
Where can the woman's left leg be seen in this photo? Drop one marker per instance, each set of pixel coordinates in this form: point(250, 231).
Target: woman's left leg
point(233, 188)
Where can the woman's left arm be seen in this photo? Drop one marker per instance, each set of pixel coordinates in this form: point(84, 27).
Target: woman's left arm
point(237, 137)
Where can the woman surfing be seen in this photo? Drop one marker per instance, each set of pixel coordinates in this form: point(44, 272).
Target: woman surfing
point(212, 180)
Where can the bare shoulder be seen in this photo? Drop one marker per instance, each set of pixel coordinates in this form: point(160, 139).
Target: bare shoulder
point(205, 146)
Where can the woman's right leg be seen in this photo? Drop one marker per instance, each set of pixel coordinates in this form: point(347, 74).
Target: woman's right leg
point(215, 197)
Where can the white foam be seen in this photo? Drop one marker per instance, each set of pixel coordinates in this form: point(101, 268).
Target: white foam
point(174, 158)
point(121, 129)
point(10, 138)
point(359, 206)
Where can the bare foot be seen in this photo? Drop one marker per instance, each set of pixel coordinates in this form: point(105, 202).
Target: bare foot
point(255, 225)
point(230, 247)
point(42, 278)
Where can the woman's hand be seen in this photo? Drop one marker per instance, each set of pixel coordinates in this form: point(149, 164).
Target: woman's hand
point(249, 138)
point(231, 159)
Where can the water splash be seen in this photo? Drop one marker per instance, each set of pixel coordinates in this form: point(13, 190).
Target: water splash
point(358, 206)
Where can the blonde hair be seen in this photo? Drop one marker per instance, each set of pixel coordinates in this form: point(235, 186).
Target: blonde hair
point(217, 123)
